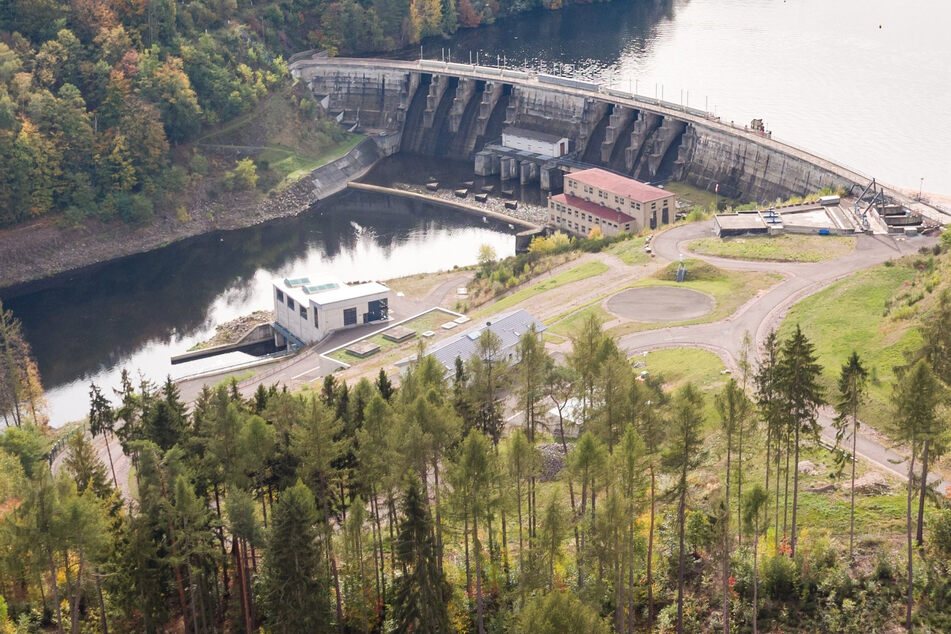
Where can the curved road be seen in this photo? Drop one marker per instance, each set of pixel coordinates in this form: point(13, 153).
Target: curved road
point(764, 312)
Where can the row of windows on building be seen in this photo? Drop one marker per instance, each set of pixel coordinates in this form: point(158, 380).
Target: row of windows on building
point(618, 200)
point(584, 228)
point(589, 217)
point(349, 314)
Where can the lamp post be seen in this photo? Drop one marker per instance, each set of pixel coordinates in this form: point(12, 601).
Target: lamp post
point(920, 187)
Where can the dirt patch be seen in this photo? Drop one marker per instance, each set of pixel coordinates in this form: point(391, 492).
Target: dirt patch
point(232, 331)
point(660, 304)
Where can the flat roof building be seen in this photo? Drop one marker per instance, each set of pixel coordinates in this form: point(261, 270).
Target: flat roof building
point(727, 225)
point(308, 309)
point(612, 202)
point(541, 143)
point(508, 327)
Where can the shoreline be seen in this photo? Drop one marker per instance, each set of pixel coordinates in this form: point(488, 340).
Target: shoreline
point(43, 250)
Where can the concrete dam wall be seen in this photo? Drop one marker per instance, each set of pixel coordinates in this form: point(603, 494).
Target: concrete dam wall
point(455, 110)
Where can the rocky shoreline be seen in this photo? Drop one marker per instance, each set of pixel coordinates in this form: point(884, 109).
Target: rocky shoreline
point(43, 249)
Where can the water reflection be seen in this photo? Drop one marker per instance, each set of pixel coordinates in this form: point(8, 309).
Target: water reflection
point(864, 82)
point(138, 311)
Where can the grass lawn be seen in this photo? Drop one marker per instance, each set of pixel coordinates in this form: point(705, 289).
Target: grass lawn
point(629, 251)
point(730, 290)
point(697, 196)
point(570, 324)
point(682, 365)
point(784, 248)
point(575, 274)
point(429, 321)
point(849, 315)
point(292, 165)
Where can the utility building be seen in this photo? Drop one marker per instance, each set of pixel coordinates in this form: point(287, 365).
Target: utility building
point(534, 142)
point(613, 203)
point(509, 328)
point(308, 309)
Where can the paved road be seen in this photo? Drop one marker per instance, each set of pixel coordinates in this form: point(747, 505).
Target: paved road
point(763, 313)
point(308, 365)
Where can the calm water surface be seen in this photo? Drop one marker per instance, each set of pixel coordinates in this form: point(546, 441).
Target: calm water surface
point(864, 82)
point(137, 312)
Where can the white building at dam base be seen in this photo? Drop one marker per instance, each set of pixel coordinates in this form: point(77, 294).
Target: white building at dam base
point(307, 309)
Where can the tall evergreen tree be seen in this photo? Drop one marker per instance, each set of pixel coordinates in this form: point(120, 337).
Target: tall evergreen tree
point(294, 588)
point(799, 375)
point(916, 401)
point(852, 387)
point(731, 406)
point(422, 593)
point(754, 503)
point(681, 456)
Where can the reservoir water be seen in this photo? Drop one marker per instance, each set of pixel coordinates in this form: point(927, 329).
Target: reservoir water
point(136, 312)
point(866, 83)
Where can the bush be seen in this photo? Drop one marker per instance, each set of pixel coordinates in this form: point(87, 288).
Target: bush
point(780, 577)
point(245, 174)
point(199, 164)
point(940, 538)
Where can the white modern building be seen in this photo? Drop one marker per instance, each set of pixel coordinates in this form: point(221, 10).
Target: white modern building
point(308, 309)
point(541, 143)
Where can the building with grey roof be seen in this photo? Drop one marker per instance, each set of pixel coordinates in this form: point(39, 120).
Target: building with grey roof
point(508, 327)
point(535, 142)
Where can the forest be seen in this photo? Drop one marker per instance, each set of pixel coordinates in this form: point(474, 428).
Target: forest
point(101, 102)
point(449, 502)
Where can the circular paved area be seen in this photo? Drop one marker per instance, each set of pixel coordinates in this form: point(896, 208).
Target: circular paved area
point(660, 303)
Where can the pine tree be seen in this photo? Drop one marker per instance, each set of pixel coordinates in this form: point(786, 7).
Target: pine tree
point(731, 406)
point(936, 348)
point(84, 466)
point(680, 457)
point(753, 503)
point(422, 593)
point(102, 420)
point(852, 387)
point(770, 409)
point(294, 587)
point(802, 395)
point(916, 401)
point(384, 385)
point(646, 398)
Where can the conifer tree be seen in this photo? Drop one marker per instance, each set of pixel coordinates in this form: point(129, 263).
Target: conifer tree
point(754, 503)
point(422, 593)
point(802, 395)
point(852, 386)
point(916, 401)
point(294, 588)
point(680, 457)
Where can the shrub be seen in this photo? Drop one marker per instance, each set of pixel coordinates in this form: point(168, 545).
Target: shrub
point(779, 577)
point(199, 164)
point(940, 541)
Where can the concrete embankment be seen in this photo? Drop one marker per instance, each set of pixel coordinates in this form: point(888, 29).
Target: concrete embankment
point(647, 138)
point(522, 238)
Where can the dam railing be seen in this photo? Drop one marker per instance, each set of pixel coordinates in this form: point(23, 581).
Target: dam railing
point(586, 87)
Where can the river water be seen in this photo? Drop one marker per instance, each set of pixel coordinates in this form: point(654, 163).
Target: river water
point(866, 83)
point(137, 312)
